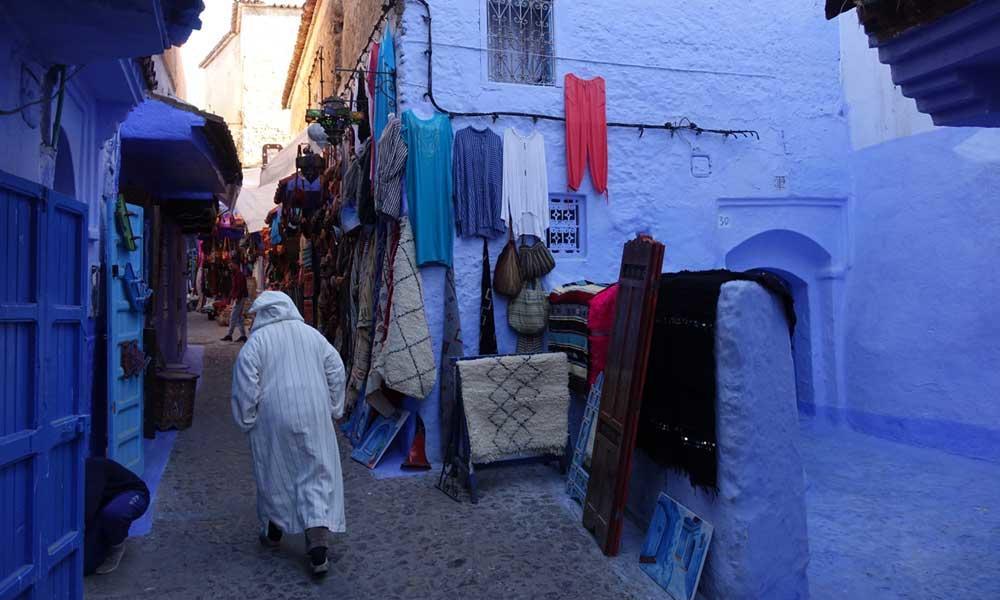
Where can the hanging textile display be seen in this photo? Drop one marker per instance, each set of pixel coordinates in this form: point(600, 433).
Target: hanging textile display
point(392, 158)
point(525, 183)
point(361, 106)
point(477, 174)
point(677, 422)
point(364, 282)
point(515, 406)
point(428, 186)
point(402, 358)
point(586, 132)
point(452, 347)
point(621, 398)
point(487, 320)
point(385, 83)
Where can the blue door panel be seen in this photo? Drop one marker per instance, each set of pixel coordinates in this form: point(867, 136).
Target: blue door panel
point(124, 324)
point(43, 427)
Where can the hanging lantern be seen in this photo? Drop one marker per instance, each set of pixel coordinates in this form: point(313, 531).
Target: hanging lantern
point(334, 116)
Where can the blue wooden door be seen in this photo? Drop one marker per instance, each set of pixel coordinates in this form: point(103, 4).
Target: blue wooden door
point(124, 325)
point(44, 390)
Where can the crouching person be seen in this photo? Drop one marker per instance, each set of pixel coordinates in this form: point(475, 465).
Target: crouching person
point(288, 389)
point(115, 498)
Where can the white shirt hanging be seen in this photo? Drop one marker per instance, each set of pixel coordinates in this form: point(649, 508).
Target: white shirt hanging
point(525, 183)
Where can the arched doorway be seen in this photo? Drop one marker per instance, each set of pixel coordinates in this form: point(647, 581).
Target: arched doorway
point(801, 340)
point(802, 264)
point(65, 176)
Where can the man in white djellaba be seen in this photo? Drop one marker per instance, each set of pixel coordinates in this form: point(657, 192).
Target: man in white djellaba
point(288, 390)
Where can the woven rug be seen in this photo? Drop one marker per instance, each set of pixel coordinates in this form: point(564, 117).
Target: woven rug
point(515, 406)
point(402, 357)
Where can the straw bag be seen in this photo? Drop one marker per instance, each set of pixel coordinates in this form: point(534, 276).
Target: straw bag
point(536, 260)
point(507, 279)
point(528, 314)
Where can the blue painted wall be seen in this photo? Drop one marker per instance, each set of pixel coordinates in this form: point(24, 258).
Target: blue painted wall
point(920, 326)
point(922, 335)
point(900, 329)
point(657, 69)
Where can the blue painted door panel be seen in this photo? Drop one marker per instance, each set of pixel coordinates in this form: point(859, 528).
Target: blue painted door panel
point(124, 324)
point(43, 390)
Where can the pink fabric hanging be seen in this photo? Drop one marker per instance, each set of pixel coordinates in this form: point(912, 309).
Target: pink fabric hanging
point(586, 131)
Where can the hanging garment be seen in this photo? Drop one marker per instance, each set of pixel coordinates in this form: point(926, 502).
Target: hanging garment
point(677, 420)
point(372, 69)
point(487, 320)
point(365, 258)
point(477, 171)
point(586, 132)
point(361, 106)
point(428, 186)
point(288, 385)
point(392, 153)
point(525, 184)
point(363, 189)
point(452, 347)
point(402, 357)
point(385, 83)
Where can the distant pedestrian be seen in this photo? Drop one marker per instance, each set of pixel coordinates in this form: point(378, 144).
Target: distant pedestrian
point(288, 390)
point(238, 295)
point(115, 497)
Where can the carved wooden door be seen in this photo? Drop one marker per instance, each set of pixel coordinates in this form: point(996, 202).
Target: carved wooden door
point(621, 399)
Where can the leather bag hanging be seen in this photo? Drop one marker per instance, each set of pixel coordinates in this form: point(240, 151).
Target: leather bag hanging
point(535, 260)
point(507, 279)
point(528, 314)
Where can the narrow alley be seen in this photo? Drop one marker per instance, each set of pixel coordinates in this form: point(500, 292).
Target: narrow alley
point(475, 299)
point(405, 538)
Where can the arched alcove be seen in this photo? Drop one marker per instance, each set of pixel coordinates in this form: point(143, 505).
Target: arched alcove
point(804, 265)
point(65, 175)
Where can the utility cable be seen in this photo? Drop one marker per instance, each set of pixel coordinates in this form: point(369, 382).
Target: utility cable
point(683, 124)
point(42, 100)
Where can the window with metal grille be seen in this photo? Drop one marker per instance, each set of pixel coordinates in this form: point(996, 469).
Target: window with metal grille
point(520, 41)
point(567, 225)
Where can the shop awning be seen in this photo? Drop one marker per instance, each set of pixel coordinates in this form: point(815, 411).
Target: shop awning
point(75, 32)
point(176, 151)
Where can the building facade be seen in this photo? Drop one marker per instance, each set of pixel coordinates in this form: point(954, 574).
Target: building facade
point(808, 200)
point(245, 74)
point(332, 35)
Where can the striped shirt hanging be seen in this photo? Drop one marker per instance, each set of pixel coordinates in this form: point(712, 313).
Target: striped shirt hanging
point(392, 155)
point(478, 183)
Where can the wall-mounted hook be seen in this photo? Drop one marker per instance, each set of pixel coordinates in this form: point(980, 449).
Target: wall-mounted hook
point(495, 117)
point(642, 130)
point(534, 119)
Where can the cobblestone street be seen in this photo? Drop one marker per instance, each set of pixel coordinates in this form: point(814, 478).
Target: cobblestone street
point(405, 538)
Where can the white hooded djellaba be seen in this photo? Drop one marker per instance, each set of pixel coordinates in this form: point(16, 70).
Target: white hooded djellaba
point(288, 387)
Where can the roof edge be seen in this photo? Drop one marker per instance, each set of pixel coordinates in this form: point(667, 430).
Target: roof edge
point(305, 27)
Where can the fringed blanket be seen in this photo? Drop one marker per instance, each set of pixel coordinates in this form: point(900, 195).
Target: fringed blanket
point(677, 420)
point(515, 406)
point(402, 356)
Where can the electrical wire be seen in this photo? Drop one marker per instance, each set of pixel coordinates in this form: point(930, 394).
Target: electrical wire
point(14, 111)
point(683, 124)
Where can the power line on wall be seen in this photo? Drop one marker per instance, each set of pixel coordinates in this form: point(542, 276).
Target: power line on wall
point(683, 124)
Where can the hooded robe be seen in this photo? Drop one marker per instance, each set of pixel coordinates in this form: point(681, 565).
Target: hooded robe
point(288, 387)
